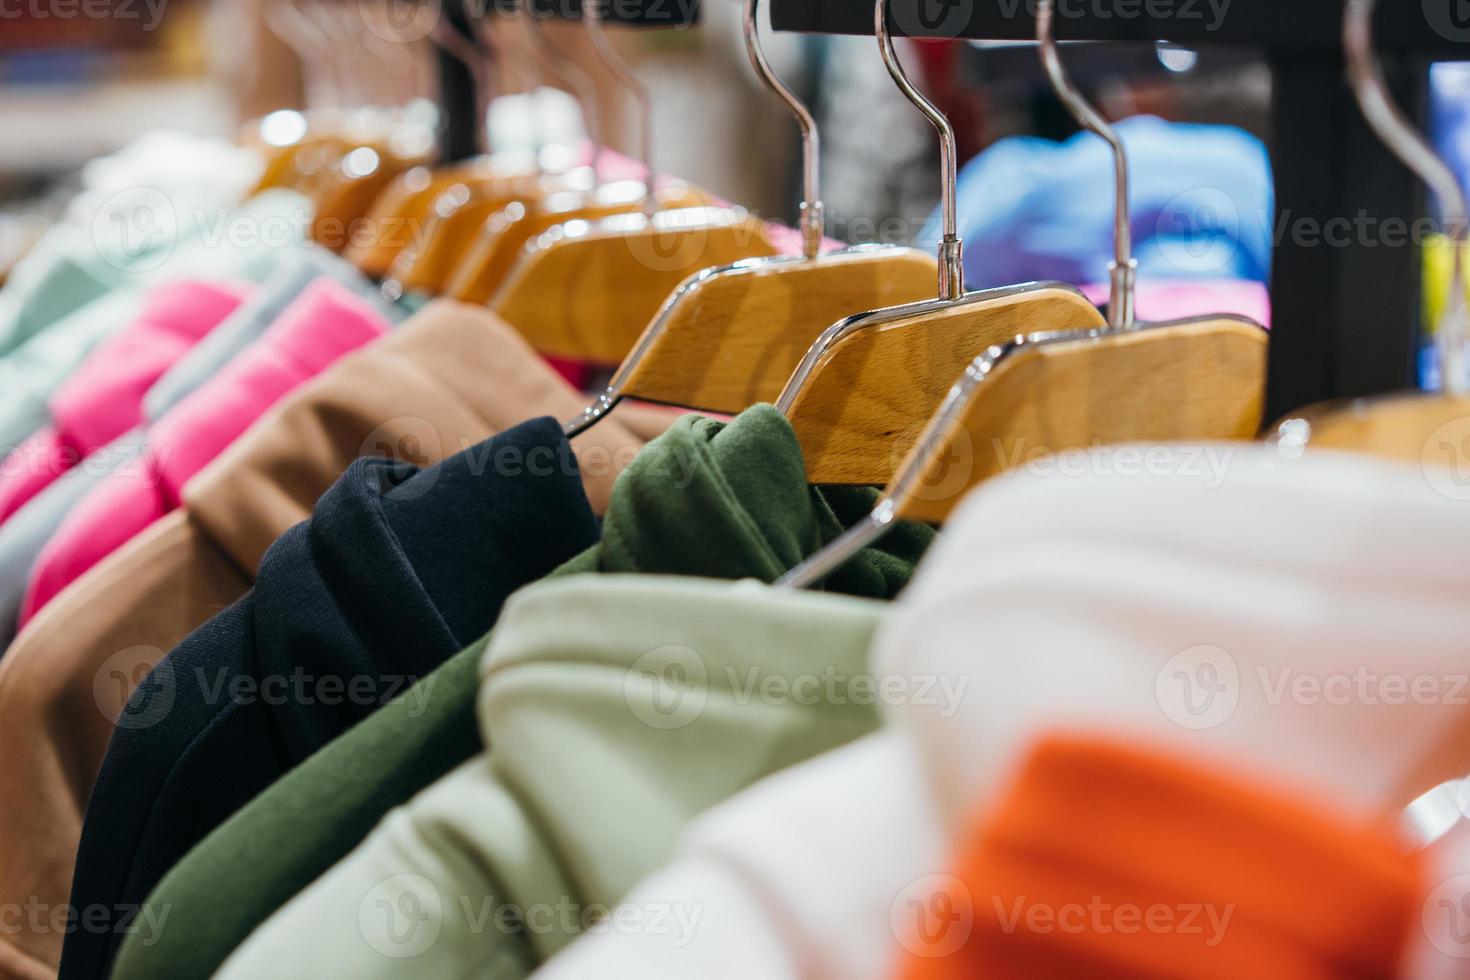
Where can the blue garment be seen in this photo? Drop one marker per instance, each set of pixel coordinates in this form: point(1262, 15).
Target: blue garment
point(1202, 206)
point(1449, 102)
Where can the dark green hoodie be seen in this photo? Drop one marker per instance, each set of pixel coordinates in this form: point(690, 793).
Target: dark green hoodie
point(706, 499)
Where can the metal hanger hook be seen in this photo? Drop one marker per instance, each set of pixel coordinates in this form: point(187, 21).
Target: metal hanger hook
point(583, 86)
point(593, 14)
point(1124, 269)
point(951, 265)
point(813, 217)
point(1410, 146)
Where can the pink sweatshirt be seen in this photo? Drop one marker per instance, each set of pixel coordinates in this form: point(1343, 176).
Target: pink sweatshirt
point(103, 397)
point(324, 323)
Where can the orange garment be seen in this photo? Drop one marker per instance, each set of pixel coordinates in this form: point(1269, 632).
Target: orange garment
point(1105, 861)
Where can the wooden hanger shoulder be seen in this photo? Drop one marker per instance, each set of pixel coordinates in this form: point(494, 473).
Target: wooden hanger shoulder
point(344, 194)
point(453, 228)
point(488, 258)
point(1195, 381)
point(406, 202)
point(730, 337)
point(872, 391)
point(1418, 427)
point(587, 290)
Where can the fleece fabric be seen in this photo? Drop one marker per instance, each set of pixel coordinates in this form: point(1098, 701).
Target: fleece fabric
point(448, 379)
point(103, 397)
point(1214, 604)
point(615, 708)
point(707, 499)
point(397, 570)
point(324, 323)
point(1183, 872)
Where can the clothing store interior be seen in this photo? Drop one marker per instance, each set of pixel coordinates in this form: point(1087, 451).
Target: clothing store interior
point(734, 489)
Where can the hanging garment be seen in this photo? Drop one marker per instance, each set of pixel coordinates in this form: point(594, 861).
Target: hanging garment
point(324, 323)
point(1032, 208)
point(779, 888)
point(626, 705)
point(1131, 599)
point(397, 570)
point(452, 376)
point(297, 269)
point(1159, 300)
point(1182, 872)
point(24, 535)
point(707, 499)
point(32, 370)
point(103, 398)
point(62, 273)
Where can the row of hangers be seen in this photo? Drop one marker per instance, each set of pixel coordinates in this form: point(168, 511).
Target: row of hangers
point(890, 372)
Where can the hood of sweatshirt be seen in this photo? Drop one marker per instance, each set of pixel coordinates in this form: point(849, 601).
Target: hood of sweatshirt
point(705, 499)
point(448, 379)
point(1221, 602)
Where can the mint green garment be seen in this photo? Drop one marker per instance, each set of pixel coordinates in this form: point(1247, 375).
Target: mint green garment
point(34, 368)
point(616, 708)
point(705, 499)
point(61, 274)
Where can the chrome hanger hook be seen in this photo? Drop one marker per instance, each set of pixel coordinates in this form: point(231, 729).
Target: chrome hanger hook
point(813, 212)
point(1409, 145)
point(303, 36)
point(565, 66)
point(1123, 271)
point(593, 14)
point(951, 264)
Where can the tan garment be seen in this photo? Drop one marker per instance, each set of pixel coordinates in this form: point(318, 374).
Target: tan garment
point(450, 378)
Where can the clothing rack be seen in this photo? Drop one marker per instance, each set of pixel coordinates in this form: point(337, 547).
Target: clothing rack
point(1345, 316)
point(458, 135)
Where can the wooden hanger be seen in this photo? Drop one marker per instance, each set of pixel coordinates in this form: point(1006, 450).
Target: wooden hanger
point(1196, 379)
point(469, 253)
point(417, 198)
point(1415, 426)
point(299, 146)
point(587, 289)
point(730, 335)
point(862, 394)
point(474, 230)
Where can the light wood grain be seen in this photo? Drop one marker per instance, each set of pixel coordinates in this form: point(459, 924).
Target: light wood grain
point(731, 339)
point(483, 260)
point(587, 290)
point(1428, 428)
point(407, 204)
point(873, 392)
point(1197, 381)
point(287, 166)
point(343, 202)
point(452, 231)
